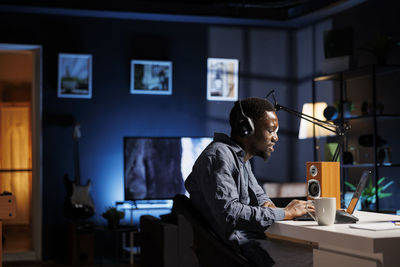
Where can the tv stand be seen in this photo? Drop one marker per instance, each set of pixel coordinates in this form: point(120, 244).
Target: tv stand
point(136, 205)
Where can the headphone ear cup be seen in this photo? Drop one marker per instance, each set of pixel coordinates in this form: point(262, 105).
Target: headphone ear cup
point(246, 126)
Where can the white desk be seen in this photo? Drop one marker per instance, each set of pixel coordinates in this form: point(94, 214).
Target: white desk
point(340, 245)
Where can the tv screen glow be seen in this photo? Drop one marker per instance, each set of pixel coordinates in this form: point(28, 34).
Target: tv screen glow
point(156, 167)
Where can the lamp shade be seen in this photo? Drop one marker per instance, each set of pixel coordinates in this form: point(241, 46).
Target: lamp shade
point(315, 110)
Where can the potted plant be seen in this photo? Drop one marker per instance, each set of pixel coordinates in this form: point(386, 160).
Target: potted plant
point(368, 196)
point(113, 216)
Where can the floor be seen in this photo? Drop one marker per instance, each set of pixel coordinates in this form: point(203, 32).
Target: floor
point(49, 264)
point(17, 238)
point(98, 263)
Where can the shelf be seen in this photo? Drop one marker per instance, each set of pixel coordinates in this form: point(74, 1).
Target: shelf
point(341, 83)
point(368, 165)
point(15, 170)
point(387, 116)
point(368, 70)
point(357, 73)
point(388, 166)
point(145, 204)
point(363, 165)
point(327, 77)
point(367, 117)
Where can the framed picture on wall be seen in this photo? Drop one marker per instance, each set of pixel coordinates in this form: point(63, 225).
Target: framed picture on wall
point(74, 76)
point(222, 79)
point(151, 77)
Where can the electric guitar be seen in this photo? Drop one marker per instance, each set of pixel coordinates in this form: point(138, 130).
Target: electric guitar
point(78, 204)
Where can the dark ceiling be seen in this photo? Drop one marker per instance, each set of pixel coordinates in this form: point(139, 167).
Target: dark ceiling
point(279, 10)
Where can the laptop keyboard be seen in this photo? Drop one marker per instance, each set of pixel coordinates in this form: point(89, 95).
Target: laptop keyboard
point(304, 217)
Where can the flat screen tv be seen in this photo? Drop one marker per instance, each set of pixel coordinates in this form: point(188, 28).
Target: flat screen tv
point(156, 167)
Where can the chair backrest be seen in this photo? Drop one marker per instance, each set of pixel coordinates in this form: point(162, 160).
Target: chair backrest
point(158, 242)
point(208, 247)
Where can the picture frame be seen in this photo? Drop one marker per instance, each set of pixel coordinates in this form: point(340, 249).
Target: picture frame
point(74, 75)
point(151, 77)
point(222, 79)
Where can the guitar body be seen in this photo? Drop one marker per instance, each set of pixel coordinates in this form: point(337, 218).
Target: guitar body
point(78, 204)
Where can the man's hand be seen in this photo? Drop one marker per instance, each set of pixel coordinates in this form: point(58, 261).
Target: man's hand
point(268, 204)
point(297, 208)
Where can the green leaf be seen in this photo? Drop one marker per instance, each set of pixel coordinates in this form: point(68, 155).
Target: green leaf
point(387, 185)
point(383, 195)
point(381, 180)
point(369, 193)
point(352, 187)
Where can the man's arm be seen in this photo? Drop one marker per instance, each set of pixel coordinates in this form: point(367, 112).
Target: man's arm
point(294, 209)
point(262, 198)
point(268, 204)
point(297, 208)
point(221, 194)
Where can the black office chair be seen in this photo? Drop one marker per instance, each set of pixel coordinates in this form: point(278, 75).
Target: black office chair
point(208, 247)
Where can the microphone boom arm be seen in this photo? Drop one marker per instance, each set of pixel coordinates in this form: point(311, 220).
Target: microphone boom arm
point(320, 123)
point(340, 130)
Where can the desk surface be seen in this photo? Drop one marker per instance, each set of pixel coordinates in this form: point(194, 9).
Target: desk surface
point(341, 236)
point(363, 216)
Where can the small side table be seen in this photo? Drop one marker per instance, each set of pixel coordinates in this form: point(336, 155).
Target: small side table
point(81, 242)
point(119, 234)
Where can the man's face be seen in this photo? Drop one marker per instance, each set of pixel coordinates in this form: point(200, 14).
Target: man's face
point(265, 135)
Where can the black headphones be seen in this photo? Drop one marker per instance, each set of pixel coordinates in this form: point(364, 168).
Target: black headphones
point(245, 125)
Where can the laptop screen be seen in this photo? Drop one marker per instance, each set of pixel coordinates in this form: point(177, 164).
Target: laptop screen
point(360, 187)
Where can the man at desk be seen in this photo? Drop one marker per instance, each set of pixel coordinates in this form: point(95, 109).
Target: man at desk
point(224, 189)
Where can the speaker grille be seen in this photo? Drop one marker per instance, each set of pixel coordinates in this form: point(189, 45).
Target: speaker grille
point(314, 188)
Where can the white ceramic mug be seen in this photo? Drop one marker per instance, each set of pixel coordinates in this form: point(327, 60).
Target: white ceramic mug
point(325, 210)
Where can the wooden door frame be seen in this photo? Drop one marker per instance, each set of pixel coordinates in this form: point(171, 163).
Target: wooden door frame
point(36, 253)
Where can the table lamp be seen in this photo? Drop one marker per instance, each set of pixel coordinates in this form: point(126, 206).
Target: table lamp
point(308, 129)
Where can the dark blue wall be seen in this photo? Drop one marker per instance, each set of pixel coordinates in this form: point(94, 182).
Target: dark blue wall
point(113, 112)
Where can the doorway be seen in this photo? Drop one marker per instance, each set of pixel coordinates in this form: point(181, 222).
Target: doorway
point(20, 146)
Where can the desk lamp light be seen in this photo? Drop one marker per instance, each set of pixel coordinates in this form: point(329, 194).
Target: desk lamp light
point(308, 129)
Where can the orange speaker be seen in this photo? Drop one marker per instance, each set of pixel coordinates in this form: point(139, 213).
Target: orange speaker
point(323, 180)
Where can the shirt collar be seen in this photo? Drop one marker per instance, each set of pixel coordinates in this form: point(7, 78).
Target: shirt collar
point(221, 137)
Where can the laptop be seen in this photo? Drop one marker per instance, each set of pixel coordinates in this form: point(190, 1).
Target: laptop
point(346, 216)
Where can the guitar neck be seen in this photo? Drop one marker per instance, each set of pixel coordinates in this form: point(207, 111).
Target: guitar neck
point(76, 163)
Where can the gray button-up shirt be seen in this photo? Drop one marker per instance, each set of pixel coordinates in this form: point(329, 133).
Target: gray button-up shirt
point(224, 189)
